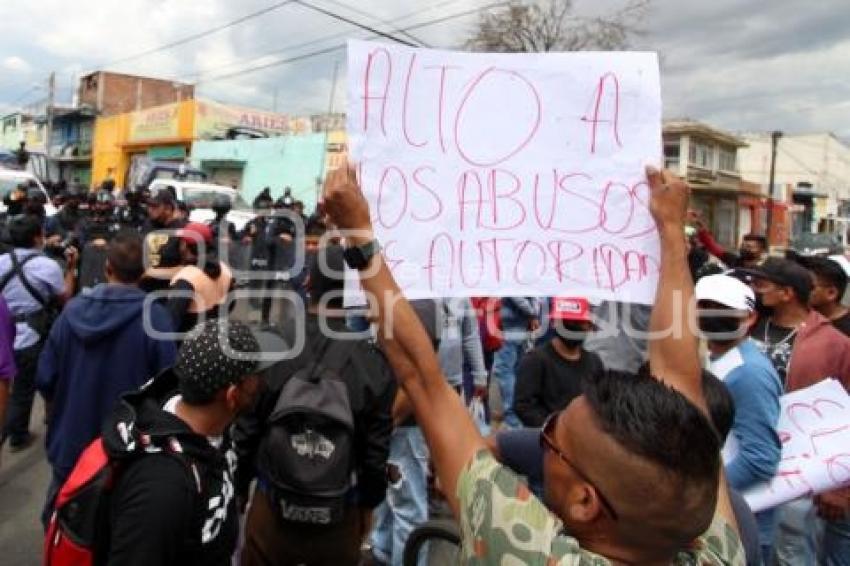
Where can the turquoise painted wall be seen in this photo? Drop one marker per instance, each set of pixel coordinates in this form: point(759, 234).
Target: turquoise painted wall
point(293, 161)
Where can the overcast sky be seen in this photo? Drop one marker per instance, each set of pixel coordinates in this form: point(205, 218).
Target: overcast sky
point(736, 64)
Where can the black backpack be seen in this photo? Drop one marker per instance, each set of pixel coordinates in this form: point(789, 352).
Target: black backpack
point(307, 454)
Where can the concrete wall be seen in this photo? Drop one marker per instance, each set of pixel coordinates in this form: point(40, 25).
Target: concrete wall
point(293, 161)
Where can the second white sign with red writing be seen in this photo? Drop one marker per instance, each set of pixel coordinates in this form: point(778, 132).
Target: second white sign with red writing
point(509, 174)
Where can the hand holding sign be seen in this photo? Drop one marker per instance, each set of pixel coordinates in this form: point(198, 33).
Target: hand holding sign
point(346, 206)
point(669, 201)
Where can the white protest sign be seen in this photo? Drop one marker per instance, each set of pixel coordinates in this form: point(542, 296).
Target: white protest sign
point(509, 174)
point(814, 428)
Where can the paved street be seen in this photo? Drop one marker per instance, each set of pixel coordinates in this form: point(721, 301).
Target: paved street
point(23, 481)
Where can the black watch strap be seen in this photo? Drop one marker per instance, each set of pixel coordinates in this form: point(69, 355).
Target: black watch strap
point(358, 257)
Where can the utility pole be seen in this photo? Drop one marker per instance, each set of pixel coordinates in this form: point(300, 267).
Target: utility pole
point(321, 175)
point(774, 140)
point(51, 99)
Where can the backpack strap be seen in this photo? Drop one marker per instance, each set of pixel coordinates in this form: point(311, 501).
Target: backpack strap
point(333, 355)
point(18, 270)
point(14, 271)
point(337, 354)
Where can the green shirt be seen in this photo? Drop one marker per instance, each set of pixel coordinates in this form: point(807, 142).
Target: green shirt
point(502, 523)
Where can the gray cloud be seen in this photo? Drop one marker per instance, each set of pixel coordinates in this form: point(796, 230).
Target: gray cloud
point(737, 64)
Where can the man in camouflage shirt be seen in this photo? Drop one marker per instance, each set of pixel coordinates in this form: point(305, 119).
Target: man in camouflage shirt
point(650, 488)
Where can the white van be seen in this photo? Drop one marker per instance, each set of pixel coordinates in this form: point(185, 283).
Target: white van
point(11, 178)
point(199, 197)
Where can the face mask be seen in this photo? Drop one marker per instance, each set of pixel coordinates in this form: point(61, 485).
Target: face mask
point(720, 327)
point(762, 310)
point(571, 334)
point(747, 255)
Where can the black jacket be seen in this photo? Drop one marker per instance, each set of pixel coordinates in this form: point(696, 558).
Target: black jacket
point(371, 390)
point(546, 382)
point(167, 509)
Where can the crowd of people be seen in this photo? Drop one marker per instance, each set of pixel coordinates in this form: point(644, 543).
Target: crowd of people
point(318, 434)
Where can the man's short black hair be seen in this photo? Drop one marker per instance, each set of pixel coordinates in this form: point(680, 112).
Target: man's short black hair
point(655, 421)
point(760, 238)
point(125, 257)
point(827, 270)
point(659, 425)
point(327, 276)
point(24, 229)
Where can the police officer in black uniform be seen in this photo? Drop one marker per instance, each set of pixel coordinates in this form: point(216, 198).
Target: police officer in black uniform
point(101, 223)
point(95, 233)
point(66, 223)
point(131, 214)
point(223, 229)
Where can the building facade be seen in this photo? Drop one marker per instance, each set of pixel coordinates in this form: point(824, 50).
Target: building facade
point(116, 93)
point(169, 132)
point(708, 159)
point(296, 162)
point(816, 167)
point(71, 141)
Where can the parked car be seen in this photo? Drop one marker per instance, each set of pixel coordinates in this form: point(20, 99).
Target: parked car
point(143, 171)
point(199, 197)
point(817, 244)
point(11, 178)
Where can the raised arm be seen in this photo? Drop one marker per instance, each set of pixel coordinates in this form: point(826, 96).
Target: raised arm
point(450, 432)
point(673, 344)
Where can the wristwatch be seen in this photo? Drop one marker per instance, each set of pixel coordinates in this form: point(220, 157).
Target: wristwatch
point(358, 257)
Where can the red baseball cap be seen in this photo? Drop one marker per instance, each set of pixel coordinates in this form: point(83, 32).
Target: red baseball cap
point(570, 308)
point(195, 232)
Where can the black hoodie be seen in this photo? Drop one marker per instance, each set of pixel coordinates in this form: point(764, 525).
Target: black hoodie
point(167, 508)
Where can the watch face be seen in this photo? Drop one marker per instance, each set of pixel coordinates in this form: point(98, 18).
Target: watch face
point(355, 258)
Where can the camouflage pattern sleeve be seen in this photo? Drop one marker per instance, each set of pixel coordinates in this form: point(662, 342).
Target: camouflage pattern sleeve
point(502, 523)
point(719, 546)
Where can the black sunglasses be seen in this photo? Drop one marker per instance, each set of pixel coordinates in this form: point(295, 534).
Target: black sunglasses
point(547, 440)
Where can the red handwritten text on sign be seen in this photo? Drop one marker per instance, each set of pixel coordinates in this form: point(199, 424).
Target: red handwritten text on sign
point(814, 429)
point(509, 174)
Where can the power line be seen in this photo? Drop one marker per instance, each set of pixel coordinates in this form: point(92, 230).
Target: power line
point(241, 63)
point(26, 93)
point(343, 45)
point(349, 21)
point(199, 35)
point(274, 64)
point(372, 17)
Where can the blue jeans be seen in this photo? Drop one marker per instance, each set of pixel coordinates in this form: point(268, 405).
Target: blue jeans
point(835, 550)
point(406, 505)
point(796, 537)
point(505, 365)
point(800, 532)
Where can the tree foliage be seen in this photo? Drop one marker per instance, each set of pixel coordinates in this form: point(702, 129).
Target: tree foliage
point(552, 25)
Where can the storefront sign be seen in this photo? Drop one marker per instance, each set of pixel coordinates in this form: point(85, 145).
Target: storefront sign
point(158, 123)
point(213, 120)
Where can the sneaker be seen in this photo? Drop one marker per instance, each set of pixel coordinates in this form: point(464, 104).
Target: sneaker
point(21, 445)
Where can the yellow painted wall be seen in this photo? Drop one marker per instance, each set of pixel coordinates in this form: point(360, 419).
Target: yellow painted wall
point(113, 145)
point(108, 158)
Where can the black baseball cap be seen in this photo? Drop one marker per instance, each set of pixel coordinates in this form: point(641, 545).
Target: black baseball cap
point(785, 273)
point(223, 352)
point(162, 197)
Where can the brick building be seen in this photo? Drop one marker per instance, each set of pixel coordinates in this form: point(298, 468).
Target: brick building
point(115, 93)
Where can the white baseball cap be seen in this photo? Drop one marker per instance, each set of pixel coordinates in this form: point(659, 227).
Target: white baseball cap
point(727, 291)
point(843, 262)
